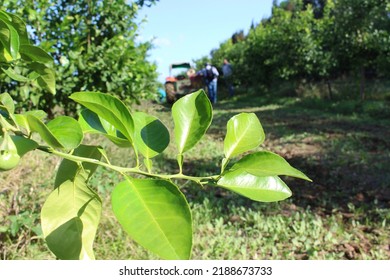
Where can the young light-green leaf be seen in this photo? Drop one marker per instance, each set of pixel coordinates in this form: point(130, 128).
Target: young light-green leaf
point(244, 132)
point(62, 132)
point(36, 125)
point(109, 108)
point(69, 218)
point(267, 164)
point(264, 189)
point(67, 131)
point(192, 115)
point(156, 215)
point(151, 136)
point(69, 169)
point(8, 102)
point(14, 75)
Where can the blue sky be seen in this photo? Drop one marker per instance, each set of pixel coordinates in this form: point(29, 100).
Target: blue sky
point(184, 30)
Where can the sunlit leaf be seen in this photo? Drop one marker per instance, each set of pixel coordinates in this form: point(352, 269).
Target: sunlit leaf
point(264, 189)
point(267, 164)
point(192, 115)
point(9, 36)
point(67, 131)
point(156, 215)
point(14, 75)
point(109, 108)
point(69, 169)
point(36, 125)
point(62, 132)
point(69, 218)
point(7, 101)
point(244, 132)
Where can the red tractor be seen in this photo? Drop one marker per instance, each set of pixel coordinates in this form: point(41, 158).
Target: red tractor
point(183, 81)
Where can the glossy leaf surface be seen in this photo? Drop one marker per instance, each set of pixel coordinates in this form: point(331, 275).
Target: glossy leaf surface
point(70, 217)
point(156, 215)
point(91, 123)
point(244, 132)
point(192, 116)
point(36, 125)
point(71, 213)
point(109, 108)
point(267, 164)
point(62, 132)
point(264, 189)
point(151, 136)
point(67, 130)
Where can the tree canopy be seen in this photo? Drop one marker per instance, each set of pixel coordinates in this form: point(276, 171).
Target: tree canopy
point(312, 40)
point(95, 46)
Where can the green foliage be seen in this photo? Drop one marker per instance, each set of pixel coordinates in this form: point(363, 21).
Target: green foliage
point(312, 41)
point(153, 211)
point(95, 48)
point(155, 214)
point(21, 61)
point(71, 213)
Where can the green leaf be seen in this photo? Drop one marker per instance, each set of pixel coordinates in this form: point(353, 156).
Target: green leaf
point(69, 169)
point(264, 189)
point(192, 116)
point(33, 53)
point(156, 215)
point(20, 27)
point(62, 132)
point(109, 108)
point(92, 123)
point(9, 36)
point(21, 119)
point(36, 125)
point(14, 75)
point(67, 131)
point(244, 132)
point(69, 218)
point(151, 136)
point(47, 78)
point(267, 164)
point(8, 102)
point(23, 145)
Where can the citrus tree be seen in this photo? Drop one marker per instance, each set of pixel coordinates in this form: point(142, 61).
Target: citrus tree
point(149, 206)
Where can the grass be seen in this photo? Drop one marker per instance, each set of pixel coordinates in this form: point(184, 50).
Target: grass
point(344, 214)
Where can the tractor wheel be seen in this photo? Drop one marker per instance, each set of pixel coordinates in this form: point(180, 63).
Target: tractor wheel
point(170, 91)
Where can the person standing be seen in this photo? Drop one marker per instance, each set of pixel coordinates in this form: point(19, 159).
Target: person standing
point(210, 75)
point(227, 71)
